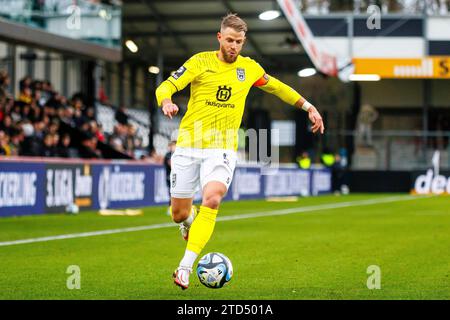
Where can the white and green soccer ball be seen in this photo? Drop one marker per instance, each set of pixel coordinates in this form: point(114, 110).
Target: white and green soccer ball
point(214, 270)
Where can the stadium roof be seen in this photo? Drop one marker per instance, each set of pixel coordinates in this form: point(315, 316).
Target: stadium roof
point(180, 28)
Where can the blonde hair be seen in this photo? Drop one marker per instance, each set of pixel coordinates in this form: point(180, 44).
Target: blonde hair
point(232, 20)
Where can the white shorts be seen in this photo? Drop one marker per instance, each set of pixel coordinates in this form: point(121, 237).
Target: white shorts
point(191, 168)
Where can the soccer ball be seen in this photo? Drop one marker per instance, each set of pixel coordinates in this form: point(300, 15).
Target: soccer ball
point(72, 208)
point(214, 270)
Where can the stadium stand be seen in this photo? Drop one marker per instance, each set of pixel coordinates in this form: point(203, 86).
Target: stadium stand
point(42, 122)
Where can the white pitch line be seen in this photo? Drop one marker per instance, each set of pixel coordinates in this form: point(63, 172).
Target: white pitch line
point(225, 218)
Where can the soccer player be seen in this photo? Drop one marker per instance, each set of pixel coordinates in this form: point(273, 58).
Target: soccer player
point(207, 138)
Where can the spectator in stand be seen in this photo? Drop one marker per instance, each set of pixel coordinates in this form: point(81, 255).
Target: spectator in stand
point(4, 144)
point(37, 98)
point(60, 113)
point(39, 128)
point(25, 83)
point(46, 121)
point(15, 142)
point(54, 127)
point(55, 138)
point(8, 104)
point(63, 147)
point(49, 149)
point(26, 95)
point(26, 112)
point(139, 150)
point(116, 143)
point(31, 126)
point(77, 104)
point(90, 113)
point(16, 115)
point(65, 150)
point(89, 148)
point(4, 85)
point(94, 129)
point(119, 135)
point(46, 93)
point(36, 112)
point(68, 116)
point(7, 126)
point(32, 146)
point(101, 133)
point(154, 157)
point(2, 110)
point(130, 145)
point(121, 115)
point(102, 97)
point(27, 145)
point(78, 118)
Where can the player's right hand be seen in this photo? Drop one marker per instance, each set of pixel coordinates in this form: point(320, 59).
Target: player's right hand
point(170, 109)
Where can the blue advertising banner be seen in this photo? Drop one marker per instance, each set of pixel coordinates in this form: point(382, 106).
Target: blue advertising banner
point(33, 187)
point(320, 181)
point(122, 186)
point(22, 188)
point(287, 182)
point(67, 184)
point(247, 183)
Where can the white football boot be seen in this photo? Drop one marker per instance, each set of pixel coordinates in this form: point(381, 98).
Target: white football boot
point(181, 277)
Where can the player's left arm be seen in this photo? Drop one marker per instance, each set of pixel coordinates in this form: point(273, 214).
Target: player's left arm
point(290, 96)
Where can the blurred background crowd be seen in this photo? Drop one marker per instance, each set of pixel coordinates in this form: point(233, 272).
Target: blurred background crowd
point(431, 7)
point(38, 123)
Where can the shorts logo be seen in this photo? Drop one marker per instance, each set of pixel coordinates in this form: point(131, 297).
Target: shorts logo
point(226, 161)
point(228, 180)
point(179, 72)
point(223, 93)
point(240, 74)
point(173, 180)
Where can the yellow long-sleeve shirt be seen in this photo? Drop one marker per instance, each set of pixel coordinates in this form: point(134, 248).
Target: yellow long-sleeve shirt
point(217, 98)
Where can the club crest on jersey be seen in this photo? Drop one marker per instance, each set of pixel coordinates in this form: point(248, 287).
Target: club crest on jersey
point(240, 74)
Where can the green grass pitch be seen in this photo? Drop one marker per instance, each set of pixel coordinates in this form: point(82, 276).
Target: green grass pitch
point(321, 252)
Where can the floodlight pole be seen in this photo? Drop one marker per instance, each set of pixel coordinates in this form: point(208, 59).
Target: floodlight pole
point(12, 68)
point(426, 90)
point(350, 36)
point(355, 107)
point(158, 80)
point(160, 59)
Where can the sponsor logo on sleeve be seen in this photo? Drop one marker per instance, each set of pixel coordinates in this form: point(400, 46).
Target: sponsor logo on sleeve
point(179, 72)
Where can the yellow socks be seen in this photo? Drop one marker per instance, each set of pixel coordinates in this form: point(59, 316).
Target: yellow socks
point(201, 229)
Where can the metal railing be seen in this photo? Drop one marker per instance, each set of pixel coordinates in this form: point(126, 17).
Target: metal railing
point(94, 22)
point(393, 149)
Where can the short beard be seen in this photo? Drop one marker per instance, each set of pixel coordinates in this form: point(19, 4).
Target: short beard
point(226, 57)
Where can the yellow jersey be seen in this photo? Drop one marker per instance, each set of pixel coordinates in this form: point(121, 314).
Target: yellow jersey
point(217, 99)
